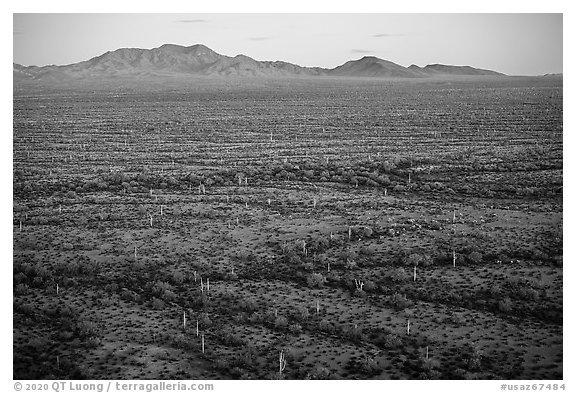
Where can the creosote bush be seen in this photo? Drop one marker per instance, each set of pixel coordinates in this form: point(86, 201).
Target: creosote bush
point(316, 280)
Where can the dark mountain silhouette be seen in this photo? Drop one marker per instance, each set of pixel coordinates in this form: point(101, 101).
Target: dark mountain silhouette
point(199, 60)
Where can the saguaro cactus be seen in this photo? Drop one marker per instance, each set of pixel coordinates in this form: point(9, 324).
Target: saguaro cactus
point(408, 328)
point(359, 285)
point(282, 363)
point(453, 258)
point(184, 320)
point(202, 342)
point(414, 273)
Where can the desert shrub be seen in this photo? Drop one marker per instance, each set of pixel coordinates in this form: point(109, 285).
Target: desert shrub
point(177, 277)
point(371, 183)
point(280, 322)
point(24, 308)
point(472, 357)
point(369, 285)
point(392, 341)
point(19, 278)
point(333, 277)
point(256, 318)
point(318, 373)
point(316, 280)
point(301, 313)
point(398, 274)
point(180, 341)
point(319, 244)
point(351, 264)
point(204, 320)
point(93, 342)
point(505, 305)
point(248, 305)
point(367, 250)
point(359, 293)
point(366, 366)
point(361, 231)
point(157, 304)
point(400, 301)
point(528, 293)
point(244, 255)
point(308, 266)
point(418, 259)
point(295, 329)
point(163, 290)
point(294, 259)
point(495, 290)
point(230, 339)
point(326, 326)
point(86, 329)
point(240, 318)
point(21, 289)
point(475, 257)
point(354, 333)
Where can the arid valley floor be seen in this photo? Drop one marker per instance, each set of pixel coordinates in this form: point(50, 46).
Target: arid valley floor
point(355, 229)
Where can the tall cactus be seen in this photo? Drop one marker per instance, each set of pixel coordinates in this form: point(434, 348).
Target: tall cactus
point(282, 363)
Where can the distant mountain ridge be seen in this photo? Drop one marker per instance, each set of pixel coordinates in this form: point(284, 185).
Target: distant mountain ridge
point(199, 60)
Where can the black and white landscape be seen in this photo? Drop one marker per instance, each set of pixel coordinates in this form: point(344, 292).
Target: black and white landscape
point(184, 214)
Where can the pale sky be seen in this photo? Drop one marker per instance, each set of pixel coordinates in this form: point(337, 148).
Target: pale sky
point(515, 44)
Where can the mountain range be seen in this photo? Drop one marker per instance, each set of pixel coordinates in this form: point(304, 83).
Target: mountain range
point(199, 60)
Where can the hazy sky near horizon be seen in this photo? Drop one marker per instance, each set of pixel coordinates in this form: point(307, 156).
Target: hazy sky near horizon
point(516, 44)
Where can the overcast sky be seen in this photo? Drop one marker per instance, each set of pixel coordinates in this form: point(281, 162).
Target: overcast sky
point(516, 44)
